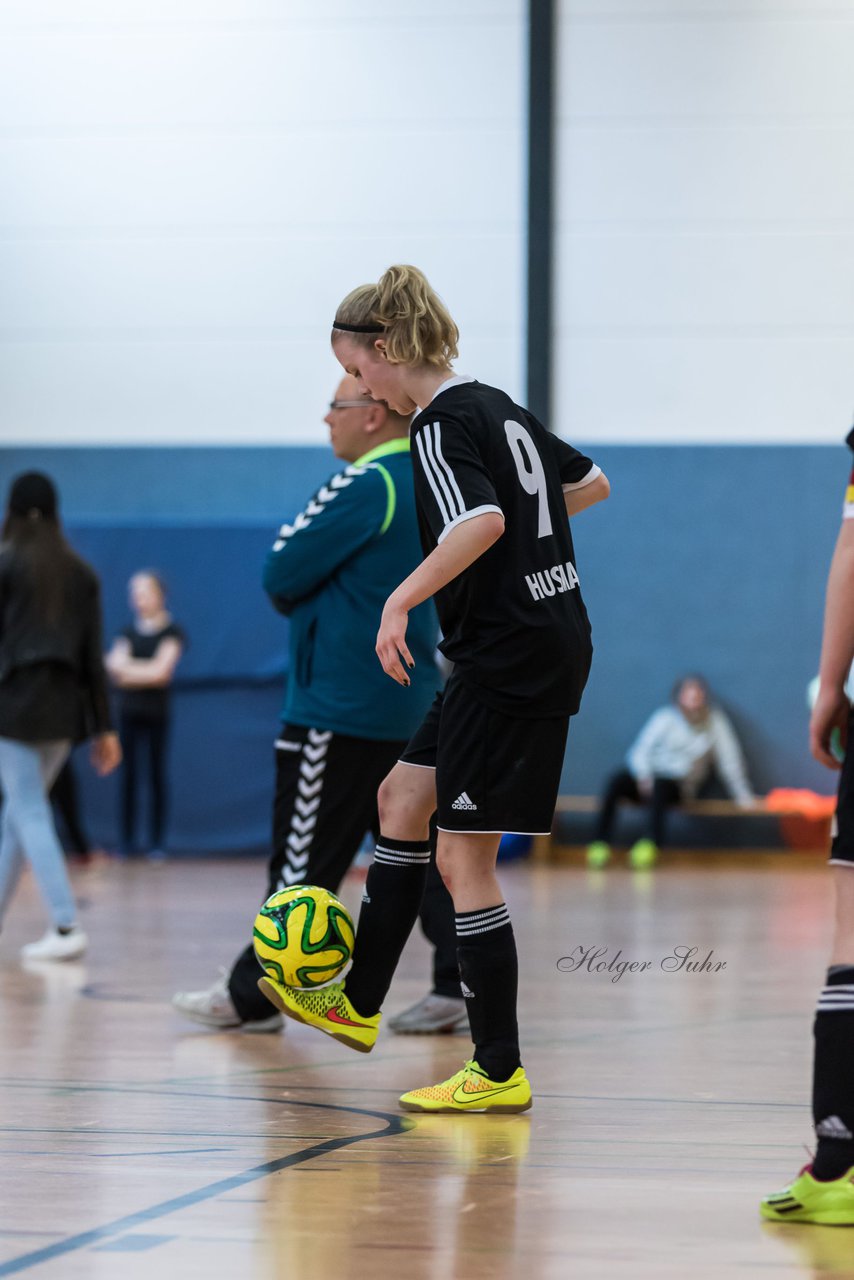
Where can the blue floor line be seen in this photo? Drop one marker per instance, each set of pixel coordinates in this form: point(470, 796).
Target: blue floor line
point(394, 1125)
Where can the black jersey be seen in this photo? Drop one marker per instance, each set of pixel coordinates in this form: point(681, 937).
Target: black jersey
point(148, 702)
point(514, 622)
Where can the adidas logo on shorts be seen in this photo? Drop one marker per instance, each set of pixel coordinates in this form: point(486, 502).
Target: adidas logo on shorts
point(463, 801)
point(468, 994)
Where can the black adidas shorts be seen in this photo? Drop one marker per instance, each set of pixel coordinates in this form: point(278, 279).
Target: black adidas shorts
point(494, 773)
point(842, 848)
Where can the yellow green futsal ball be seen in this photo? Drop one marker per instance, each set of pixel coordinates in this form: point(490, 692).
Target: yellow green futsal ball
point(303, 936)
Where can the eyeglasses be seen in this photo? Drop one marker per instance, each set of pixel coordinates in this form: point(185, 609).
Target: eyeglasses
point(350, 404)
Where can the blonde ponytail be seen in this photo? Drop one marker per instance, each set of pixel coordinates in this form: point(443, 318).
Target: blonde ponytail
point(414, 321)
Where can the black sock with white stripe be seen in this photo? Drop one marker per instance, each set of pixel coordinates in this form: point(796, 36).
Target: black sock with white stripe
point(486, 949)
point(390, 904)
point(833, 1072)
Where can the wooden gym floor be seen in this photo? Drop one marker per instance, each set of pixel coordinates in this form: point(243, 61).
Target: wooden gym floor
point(139, 1145)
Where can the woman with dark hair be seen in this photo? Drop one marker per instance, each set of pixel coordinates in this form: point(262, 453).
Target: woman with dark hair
point(669, 761)
point(52, 694)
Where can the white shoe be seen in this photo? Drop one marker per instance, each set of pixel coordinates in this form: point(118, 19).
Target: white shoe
point(215, 1008)
point(57, 946)
point(432, 1015)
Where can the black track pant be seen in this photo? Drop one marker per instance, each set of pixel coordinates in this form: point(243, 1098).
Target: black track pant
point(144, 743)
point(623, 786)
point(325, 801)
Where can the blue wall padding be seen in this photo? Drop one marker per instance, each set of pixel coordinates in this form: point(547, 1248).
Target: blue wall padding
point(229, 685)
point(713, 560)
point(705, 558)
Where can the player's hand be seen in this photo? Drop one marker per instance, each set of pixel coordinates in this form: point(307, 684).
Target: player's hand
point(645, 787)
point(391, 642)
point(105, 753)
point(830, 713)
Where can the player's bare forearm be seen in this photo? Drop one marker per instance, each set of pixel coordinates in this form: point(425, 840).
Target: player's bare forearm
point(454, 554)
point(588, 495)
point(837, 649)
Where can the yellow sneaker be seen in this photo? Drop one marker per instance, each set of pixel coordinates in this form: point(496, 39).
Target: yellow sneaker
point(643, 853)
point(598, 854)
point(808, 1200)
point(472, 1090)
point(326, 1008)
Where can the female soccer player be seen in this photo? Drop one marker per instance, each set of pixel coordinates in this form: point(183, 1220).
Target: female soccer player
point(823, 1191)
point(493, 490)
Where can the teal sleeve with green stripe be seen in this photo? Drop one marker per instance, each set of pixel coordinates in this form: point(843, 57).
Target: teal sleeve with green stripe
point(391, 496)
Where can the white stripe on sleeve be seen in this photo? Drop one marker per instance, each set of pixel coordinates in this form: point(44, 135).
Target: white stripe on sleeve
point(440, 458)
point(431, 479)
point(430, 453)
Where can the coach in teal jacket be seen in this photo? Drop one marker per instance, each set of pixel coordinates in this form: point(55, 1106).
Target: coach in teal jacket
point(344, 723)
point(331, 571)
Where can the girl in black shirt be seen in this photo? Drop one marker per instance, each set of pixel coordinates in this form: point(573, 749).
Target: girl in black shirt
point(142, 663)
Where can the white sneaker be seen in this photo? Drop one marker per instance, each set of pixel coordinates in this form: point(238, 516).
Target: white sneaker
point(57, 946)
point(432, 1015)
point(215, 1008)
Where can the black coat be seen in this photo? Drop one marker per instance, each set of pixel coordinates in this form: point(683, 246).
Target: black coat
point(52, 679)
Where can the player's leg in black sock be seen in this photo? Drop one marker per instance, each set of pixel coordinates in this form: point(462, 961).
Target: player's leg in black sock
point(390, 905)
point(833, 1072)
point(489, 970)
point(394, 886)
point(437, 922)
point(486, 948)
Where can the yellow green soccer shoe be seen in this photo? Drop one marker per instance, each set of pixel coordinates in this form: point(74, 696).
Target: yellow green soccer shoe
point(326, 1008)
point(830, 1204)
point(643, 854)
point(472, 1090)
point(598, 854)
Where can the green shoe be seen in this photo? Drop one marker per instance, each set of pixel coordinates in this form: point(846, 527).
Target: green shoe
point(472, 1090)
point(807, 1200)
point(644, 853)
point(598, 853)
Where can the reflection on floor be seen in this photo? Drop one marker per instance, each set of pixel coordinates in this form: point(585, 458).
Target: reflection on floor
point(667, 1098)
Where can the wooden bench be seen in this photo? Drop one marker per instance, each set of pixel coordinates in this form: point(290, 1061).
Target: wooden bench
point(544, 846)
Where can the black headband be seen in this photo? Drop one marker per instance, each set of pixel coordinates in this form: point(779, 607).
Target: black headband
point(358, 328)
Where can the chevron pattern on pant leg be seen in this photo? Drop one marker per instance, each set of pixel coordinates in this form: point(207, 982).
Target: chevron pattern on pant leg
point(306, 806)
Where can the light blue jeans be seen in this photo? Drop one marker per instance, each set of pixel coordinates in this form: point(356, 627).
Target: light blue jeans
point(27, 831)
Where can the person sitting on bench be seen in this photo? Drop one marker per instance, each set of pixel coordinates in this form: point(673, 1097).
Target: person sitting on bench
point(669, 761)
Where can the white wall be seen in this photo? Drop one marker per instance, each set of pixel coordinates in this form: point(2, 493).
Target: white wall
point(705, 251)
point(189, 188)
